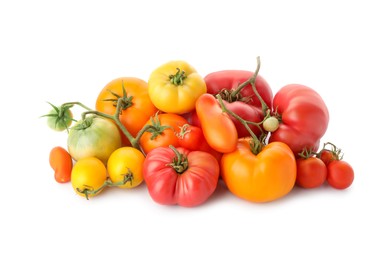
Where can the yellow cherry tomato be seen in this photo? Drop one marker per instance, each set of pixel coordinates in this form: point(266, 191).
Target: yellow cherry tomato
point(88, 176)
point(126, 162)
point(175, 86)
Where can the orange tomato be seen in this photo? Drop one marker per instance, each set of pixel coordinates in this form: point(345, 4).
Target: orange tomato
point(61, 162)
point(138, 108)
point(264, 177)
point(218, 128)
point(167, 126)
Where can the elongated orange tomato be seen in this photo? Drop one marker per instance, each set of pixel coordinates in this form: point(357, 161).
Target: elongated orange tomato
point(264, 177)
point(218, 129)
point(61, 162)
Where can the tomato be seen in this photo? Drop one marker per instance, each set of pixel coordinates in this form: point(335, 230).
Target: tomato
point(61, 162)
point(138, 108)
point(88, 176)
point(245, 104)
point(327, 156)
point(191, 137)
point(303, 117)
point(264, 177)
point(183, 177)
point(175, 86)
point(59, 118)
point(126, 161)
point(93, 137)
point(311, 172)
point(340, 174)
point(164, 134)
point(218, 128)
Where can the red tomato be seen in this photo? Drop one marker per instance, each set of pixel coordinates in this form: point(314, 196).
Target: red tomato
point(166, 127)
point(218, 128)
point(304, 117)
point(340, 174)
point(245, 104)
point(327, 156)
point(187, 178)
point(311, 172)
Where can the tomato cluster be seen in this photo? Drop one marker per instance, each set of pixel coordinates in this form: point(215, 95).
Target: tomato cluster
point(182, 133)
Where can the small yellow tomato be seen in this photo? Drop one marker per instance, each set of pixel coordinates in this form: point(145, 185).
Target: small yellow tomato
point(126, 162)
point(88, 176)
point(175, 86)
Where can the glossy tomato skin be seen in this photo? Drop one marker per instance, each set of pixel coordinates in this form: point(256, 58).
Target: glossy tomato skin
point(327, 156)
point(61, 162)
point(88, 173)
point(267, 176)
point(93, 137)
point(123, 161)
point(304, 117)
point(218, 128)
point(168, 136)
point(311, 172)
point(190, 188)
point(140, 107)
point(175, 96)
point(250, 108)
point(340, 174)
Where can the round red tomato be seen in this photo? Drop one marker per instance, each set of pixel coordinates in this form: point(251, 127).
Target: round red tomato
point(340, 174)
point(166, 126)
point(183, 177)
point(311, 172)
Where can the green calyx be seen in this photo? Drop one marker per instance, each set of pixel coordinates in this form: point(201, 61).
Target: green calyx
point(84, 123)
point(60, 118)
point(179, 162)
point(178, 78)
point(127, 101)
point(156, 129)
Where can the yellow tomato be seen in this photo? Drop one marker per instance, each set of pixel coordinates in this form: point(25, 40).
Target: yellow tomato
point(175, 86)
point(126, 162)
point(88, 176)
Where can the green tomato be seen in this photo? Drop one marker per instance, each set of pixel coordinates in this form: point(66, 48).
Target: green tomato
point(59, 118)
point(93, 137)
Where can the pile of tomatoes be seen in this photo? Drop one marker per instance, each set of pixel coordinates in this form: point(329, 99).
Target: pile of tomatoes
point(182, 133)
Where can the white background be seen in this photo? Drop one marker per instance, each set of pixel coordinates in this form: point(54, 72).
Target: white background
point(63, 51)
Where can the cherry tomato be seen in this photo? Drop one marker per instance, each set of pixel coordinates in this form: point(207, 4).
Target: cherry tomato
point(126, 161)
point(88, 175)
point(61, 162)
point(340, 174)
point(166, 126)
point(311, 172)
point(327, 156)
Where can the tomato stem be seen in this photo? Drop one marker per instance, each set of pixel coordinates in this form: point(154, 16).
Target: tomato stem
point(87, 191)
point(178, 78)
point(76, 103)
point(256, 144)
point(252, 81)
point(179, 162)
point(134, 142)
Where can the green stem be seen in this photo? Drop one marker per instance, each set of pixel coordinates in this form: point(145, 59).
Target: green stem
point(252, 81)
point(178, 78)
point(180, 162)
point(128, 177)
point(256, 143)
point(77, 103)
point(115, 117)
